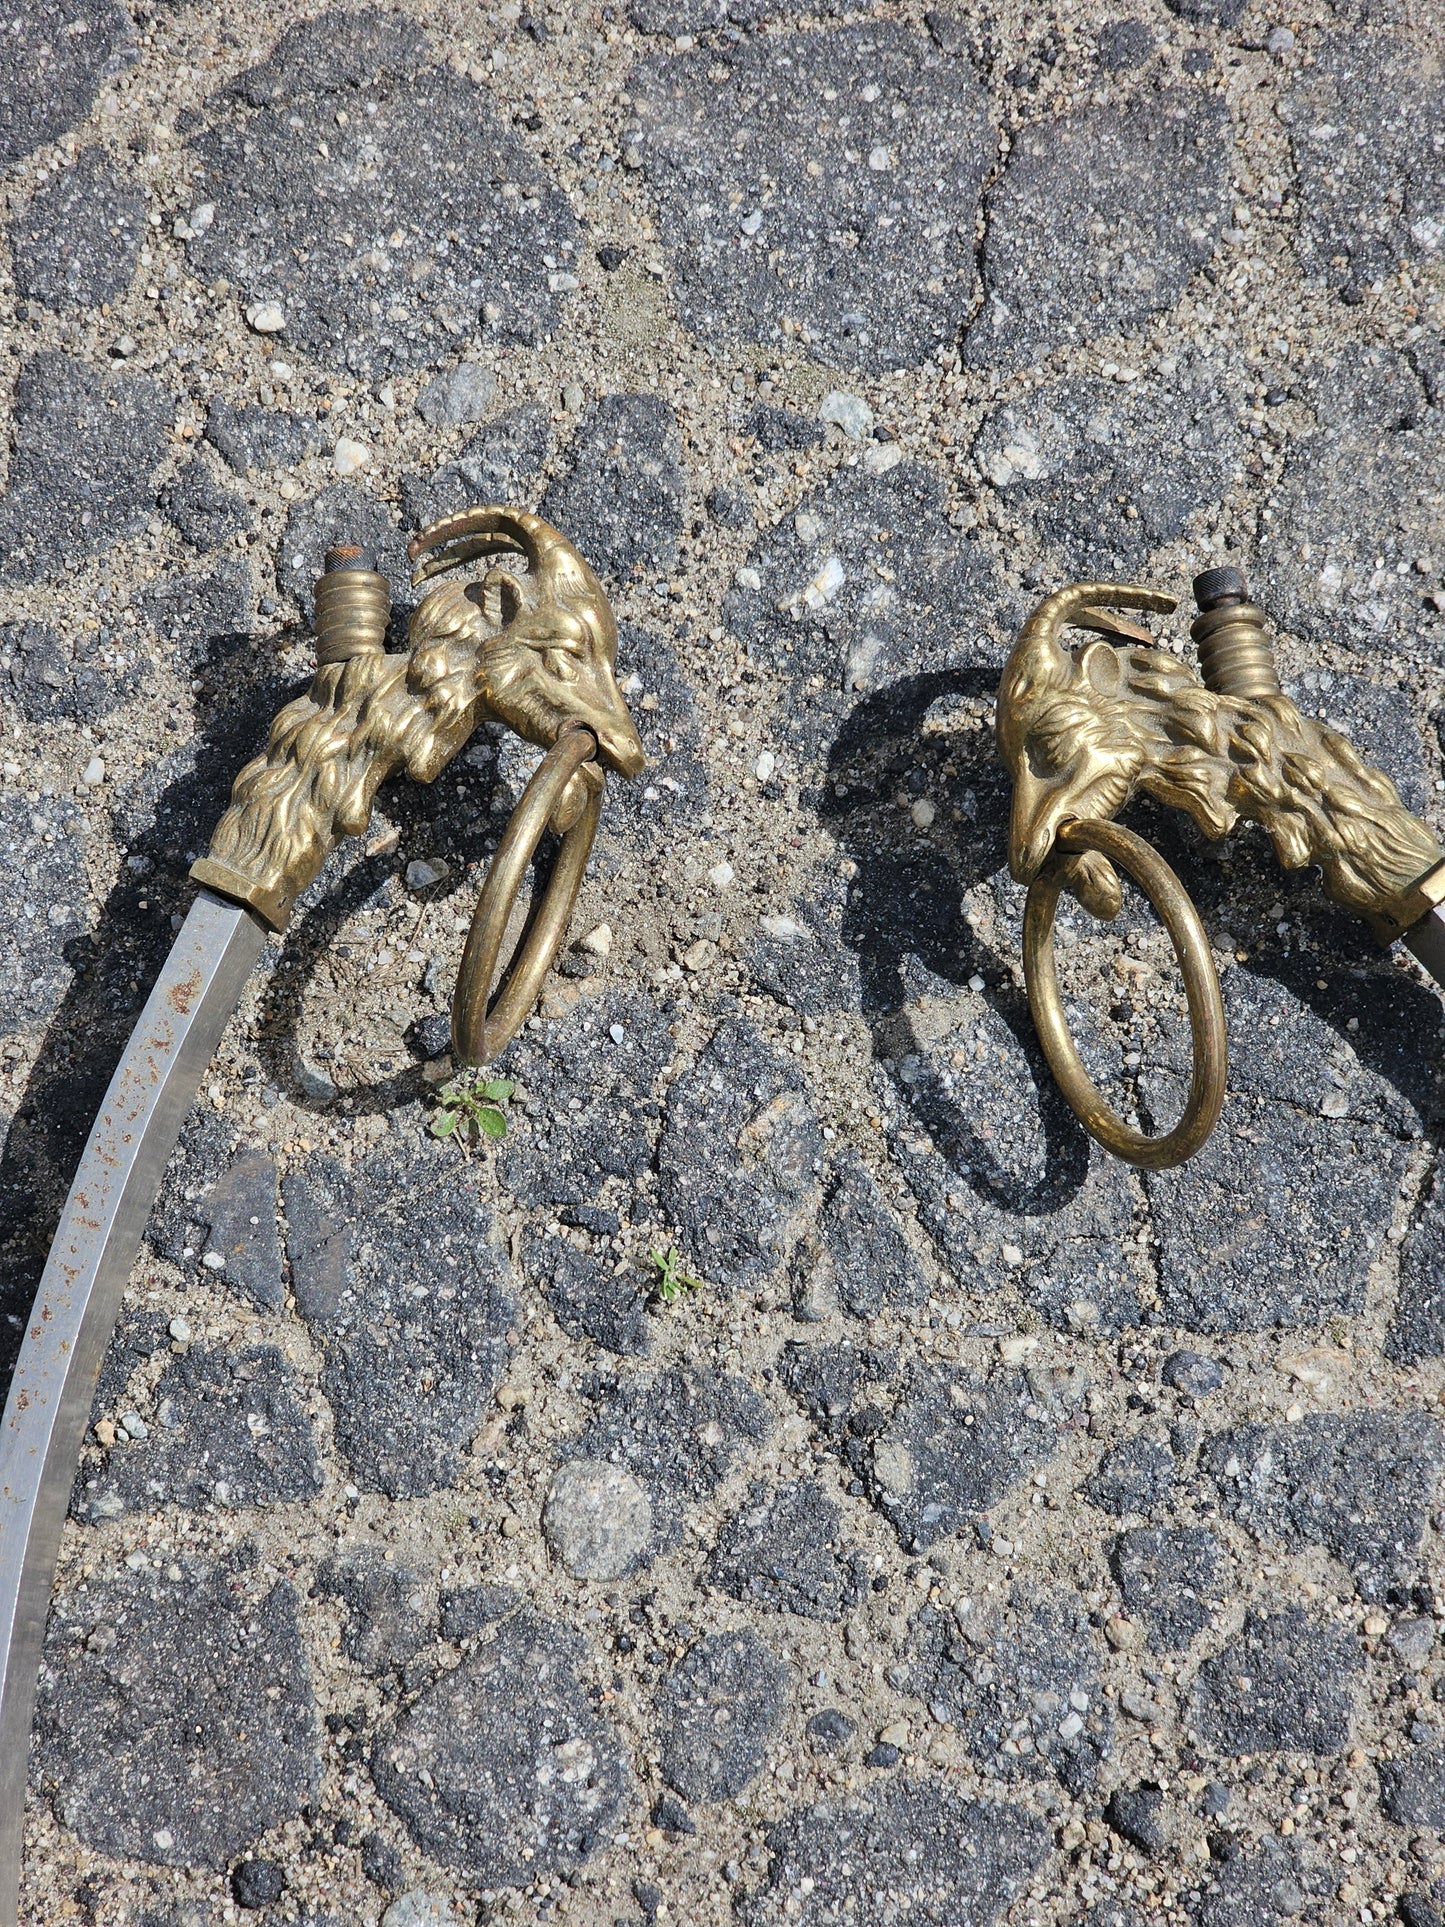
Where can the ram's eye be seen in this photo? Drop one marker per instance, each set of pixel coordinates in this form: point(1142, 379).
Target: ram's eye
point(561, 664)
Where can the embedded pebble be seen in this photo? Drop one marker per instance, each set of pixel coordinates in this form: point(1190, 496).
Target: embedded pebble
point(597, 1520)
point(1356, 498)
point(781, 1552)
point(425, 1294)
point(1358, 1483)
point(720, 1708)
point(385, 1619)
point(1192, 1373)
point(76, 243)
point(420, 1909)
point(85, 446)
point(462, 395)
point(500, 1767)
point(350, 455)
point(904, 1850)
point(1286, 1683)
point(1371, 188)
point(257, 1883)
point(189, 1728)
point(831, 1730)
point(1097, 221)
point(621, 499)
point(266, 317)
point(848, 412)
point(55, 60)
point(426, 157)
point(894, 166)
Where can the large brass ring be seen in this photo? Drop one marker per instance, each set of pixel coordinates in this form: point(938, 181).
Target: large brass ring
point(478, 1034)
point(1201, 987)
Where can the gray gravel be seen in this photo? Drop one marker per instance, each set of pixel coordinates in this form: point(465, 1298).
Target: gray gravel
point(500, 1768)
point(86, 447)
point(875, 266)
point(176, 1719)
point(720, 1707)
point(77, 243)
point(598, 1520)
point(1096, 223)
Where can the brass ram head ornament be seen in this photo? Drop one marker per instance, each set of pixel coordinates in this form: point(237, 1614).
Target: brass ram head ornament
point(1081, 731)
point(535, 650)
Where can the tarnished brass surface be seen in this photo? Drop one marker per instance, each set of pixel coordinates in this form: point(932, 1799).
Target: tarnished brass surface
point(536, 650)
point(1201, 988)
point(353, 606)
point(477, 1037)
point(1082, 730)
point(1235, 657)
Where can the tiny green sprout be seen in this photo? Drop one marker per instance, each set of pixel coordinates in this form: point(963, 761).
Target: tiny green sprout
point(472, 1110)
point(672, 1280)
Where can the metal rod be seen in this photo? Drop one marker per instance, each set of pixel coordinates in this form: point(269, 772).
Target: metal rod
point(78, 1299)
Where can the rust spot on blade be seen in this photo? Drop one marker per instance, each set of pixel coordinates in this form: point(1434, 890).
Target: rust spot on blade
point(182, 995)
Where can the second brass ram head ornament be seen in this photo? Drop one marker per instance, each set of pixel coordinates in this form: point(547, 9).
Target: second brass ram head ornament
point(1082, 730)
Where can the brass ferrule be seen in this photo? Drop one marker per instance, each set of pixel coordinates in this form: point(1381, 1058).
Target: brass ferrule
point(1236, 657)
point(353, 605)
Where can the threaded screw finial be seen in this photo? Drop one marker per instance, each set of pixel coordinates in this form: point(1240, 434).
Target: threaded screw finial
point(348, 555)
point(1236, 657)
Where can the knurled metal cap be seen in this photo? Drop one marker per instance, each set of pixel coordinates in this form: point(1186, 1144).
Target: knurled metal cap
point(1216, 588)
point(348, 555)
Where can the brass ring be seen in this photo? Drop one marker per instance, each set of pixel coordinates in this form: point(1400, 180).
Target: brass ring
point(479, 1035)
point(1172, 903)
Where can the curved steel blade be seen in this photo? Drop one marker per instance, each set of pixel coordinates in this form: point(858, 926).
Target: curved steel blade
point(79, 1296)
point(1427, 939)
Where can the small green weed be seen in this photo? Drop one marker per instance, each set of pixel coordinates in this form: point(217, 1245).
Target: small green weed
point(472, 1110)
point(672, 1281)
